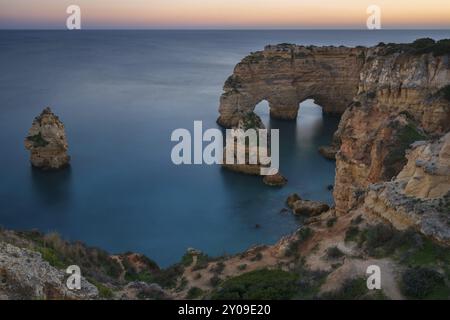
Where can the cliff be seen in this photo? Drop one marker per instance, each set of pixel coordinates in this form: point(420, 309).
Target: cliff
point(399, 101)
point(419, 197)
point(389, 96)
point(47, 142)
point(286, 75)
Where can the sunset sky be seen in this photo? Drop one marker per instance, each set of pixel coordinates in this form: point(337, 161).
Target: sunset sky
point(118, 14)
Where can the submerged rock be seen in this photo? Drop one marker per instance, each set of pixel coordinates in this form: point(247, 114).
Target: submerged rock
point(276, 180)
point(329, 152)
point(47, 142)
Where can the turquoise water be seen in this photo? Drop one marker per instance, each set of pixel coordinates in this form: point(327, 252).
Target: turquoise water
point(120, 95)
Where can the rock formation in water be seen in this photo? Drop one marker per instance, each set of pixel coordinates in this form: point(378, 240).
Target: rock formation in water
point(250, 121)
point(47, 142)
point(285, 75)
point(389, 96)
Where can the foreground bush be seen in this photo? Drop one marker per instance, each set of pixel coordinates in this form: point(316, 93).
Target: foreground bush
point(260, 285)
point(421, 282)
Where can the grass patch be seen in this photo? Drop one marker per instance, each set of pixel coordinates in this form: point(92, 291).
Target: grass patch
point(103, 291)
point(352, 234)
point(194, 293)
point(352, 289)
point(51, 256)
point(259, 285)
point(38, 140)
point(424, 283)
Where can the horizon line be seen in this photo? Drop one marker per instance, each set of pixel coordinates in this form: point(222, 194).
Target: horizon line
point(225, 29)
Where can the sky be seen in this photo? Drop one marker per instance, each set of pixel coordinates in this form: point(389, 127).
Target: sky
point(224, 14)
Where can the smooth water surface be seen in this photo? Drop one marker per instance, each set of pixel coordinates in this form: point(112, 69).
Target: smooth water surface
point(120, 95)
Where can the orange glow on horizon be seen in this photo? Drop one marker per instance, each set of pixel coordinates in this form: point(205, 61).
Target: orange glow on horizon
point(227, 13)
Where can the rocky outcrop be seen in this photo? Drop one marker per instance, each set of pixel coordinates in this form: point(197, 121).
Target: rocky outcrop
point(305, 207)
point(390, 96)
point(419, 197)
point(25, 275)
point(309, 208)
point(285, 75)
point(398, 103)
point(275, 180)
point(47, 142)
point(329, 152)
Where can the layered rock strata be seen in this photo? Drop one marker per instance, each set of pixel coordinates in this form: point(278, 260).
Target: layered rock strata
point(390, 97)
point(419, 197)
point(47, 142)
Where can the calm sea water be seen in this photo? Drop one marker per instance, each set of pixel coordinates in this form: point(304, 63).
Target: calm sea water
point(120, 94)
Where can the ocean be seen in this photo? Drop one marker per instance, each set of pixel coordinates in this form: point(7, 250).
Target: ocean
point(120, 95)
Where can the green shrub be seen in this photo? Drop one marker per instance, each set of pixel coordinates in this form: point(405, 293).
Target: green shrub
point(334, 253)
point(218, 268)
point(258, 256)
point(377, 237)
point(187, 259)
point(383, 240)
point(202, 262)
point(420, 46)
point(38, 140)
point(422, 282)
point(167, 278)
point(331, 222)
point(242, 267)
point(49, 255)
point(215, 280)
point(352, 289)
point(304, 233)
point(445, 92)
point(194, 293)
point(260, 285)
point(352, 234)
point(103, 291)
point(357, 220)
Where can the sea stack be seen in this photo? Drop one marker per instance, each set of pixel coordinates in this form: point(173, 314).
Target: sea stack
point(47, 142)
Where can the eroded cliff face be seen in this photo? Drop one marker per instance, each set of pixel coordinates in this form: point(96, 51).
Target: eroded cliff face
point(47, 142)
point(390, 96)
point(25, 275)
point(285, 75)
point(419, 197)
point(398, 102)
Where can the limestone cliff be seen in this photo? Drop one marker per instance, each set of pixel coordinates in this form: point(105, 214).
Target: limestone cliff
point(419, 197)
point(399, 101)
point(286, 75)
point(390, 96)
point(25, 275)
point(47, 142)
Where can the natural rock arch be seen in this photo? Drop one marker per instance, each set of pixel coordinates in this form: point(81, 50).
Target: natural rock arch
point(286, 75)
